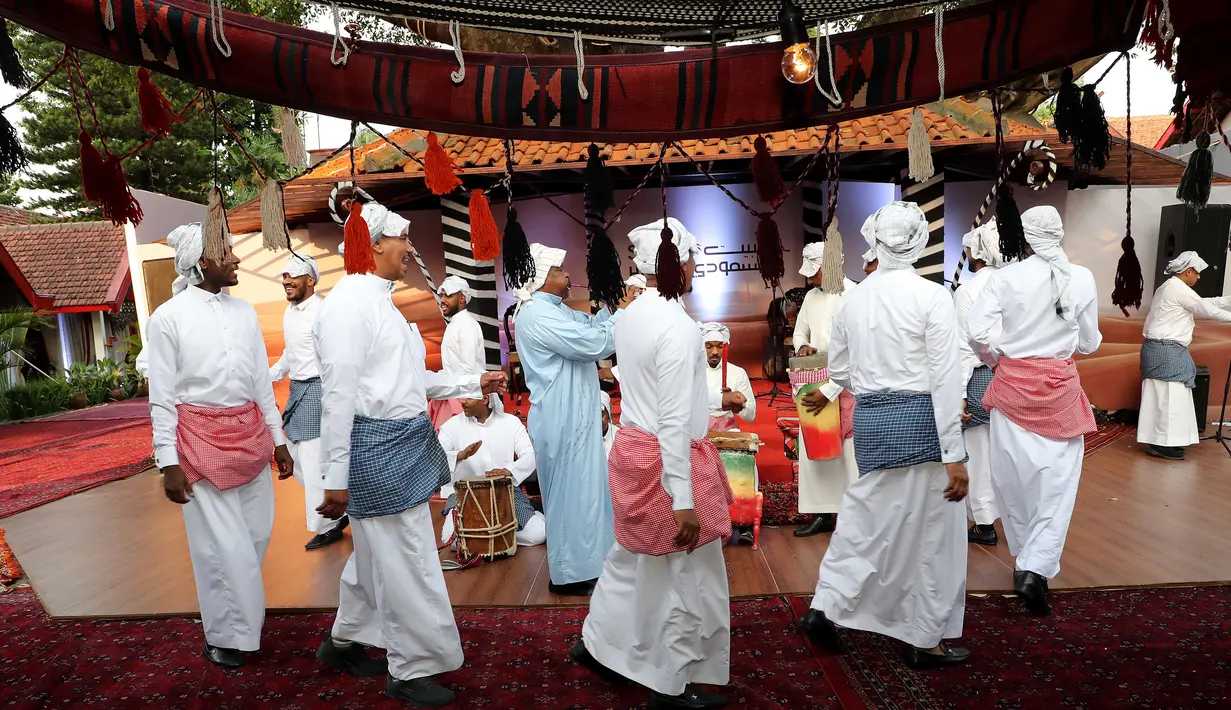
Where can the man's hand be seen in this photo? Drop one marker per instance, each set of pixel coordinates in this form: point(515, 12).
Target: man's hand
point(500, 473)
point(966, 416)
point(958, 483)
point(286, 464)
point(334, 506)
point(805, 351)
point(468, 451)
point(605, 374)
point(175, 484)
point(814, 401)
point(494, 382)
point(687, 528)
point(733, 401)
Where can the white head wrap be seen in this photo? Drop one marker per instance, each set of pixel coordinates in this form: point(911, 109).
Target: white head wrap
point(1044, 230)
point(188, 242)
point(544, 258)
point(715, 332)
point(646, 239)
point(1185, 261)
point(301, 265)
point(636, 281)
point(605, 400)
point(813, 254)
point(868, 257)
point(455, 283)
point(984, 244)
point(898, 232)
point(382, 222)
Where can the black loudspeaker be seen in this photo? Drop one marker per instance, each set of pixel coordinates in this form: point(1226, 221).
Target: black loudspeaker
point(1182, 228)
point(1201, 394)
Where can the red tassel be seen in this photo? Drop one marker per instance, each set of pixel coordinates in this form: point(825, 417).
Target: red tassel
point(770, 188)
point(670, 271)
point(358, 240)
point(156, 112)
point(93, 174)
point(118, 203)
point(1152, 35)
point(769, 251)
point(484, 234)
point(438, 170)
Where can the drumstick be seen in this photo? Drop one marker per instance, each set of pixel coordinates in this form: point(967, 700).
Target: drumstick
point(724, 367)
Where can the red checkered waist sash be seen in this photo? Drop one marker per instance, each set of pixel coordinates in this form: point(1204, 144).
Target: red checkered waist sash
point(1042, 396)
point(227, 446)
point(644, 515)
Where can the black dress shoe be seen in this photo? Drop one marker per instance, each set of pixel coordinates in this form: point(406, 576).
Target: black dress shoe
point(324, 539)
point(822, 632)
point(823, 523)
point(353, 659)
point(581, 655)
point(1171, 453)
point(225, 657)
point(420, 692)
point(693, 698)
point(573, 589)
point(1032, 588)
point(983, 535)
point(922, 659)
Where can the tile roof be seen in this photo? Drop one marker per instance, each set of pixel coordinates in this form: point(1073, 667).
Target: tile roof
point(1147, 130)
point(16, 215)
point(78, 263)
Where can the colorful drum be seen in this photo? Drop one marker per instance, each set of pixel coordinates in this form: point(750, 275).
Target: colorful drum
point(486, 518)
point(738, 453)
point(821, 433)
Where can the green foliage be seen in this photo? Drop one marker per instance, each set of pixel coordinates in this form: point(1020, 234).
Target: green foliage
point(8, 191)
point(14, 325)
point(36, 398)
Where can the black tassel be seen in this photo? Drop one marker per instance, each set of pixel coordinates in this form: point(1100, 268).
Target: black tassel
point(1194, 187)
point(600, 195)
point(518, 263)
point(1068, 107)
point(1092, 143)
point(13, 156)
point(603, 270)
point(10, 61)
point(1009, 224)
point(1129, 282)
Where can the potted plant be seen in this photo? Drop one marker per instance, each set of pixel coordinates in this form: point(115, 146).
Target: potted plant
point(79, 377)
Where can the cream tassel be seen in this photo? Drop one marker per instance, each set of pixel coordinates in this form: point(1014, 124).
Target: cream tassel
point(833, 280)
point(292, 140)
point(274, 234)
point(919, 148)
point(215, 227)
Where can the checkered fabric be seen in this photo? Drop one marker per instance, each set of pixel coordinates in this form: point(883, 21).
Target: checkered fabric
point(1041, 395)
point(301, 420)
point(521, 506)
point(395, 465)
point(894, 430)
point(1168, 361)
point(227, 447)
point(975, 389)
point(644, 519)
point(846, 401)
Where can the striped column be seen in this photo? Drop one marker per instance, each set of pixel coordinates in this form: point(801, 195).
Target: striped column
point(930, 196)
point(813, 195)
point(481, 275)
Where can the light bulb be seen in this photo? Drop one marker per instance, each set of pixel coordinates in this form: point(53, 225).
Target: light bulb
point(799, 63)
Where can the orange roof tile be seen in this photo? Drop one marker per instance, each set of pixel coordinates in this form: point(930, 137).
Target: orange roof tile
point(78, 263)
point(1147, 130)
point(16, 215)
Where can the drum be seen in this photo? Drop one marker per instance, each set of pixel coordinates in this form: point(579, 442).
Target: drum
point(486, 518)
point(738, 452)
point(821, 433)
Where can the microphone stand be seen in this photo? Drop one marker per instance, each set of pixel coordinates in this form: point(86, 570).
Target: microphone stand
point(1222, 417)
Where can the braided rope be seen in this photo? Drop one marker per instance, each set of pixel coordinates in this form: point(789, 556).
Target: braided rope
point(836, 97)
point(218, 27)
point(939, 36)
point(579, 50)
point(455, 31)
point(334, 58)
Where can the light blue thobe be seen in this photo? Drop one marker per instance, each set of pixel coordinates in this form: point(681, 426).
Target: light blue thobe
point(559, 348)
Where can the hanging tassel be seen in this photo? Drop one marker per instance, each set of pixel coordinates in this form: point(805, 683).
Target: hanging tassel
point(1194, 187)
point(833, 280)
point(1009, 224)
point(93, 175)
point(10, 61)
point(1068, 107)
point(357, 255)
point(119, 204)
point(274, 233)
point(1092, 142)
point(1129, 282)
point(438, 170)
point(13, 158)
point(765, 175)
point(670, 272)
point(156, 112)
point(293, 150)
point(769, 251)
point(484, 234)
point(518, 262)
point(1154, 34)
point(919, 148)
point(604, 271)
point(215, 227)
point(600, 195)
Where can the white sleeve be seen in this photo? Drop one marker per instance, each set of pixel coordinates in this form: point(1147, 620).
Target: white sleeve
point(442, 386)
point(470, 346)
point(1088, 336)
point(839, 352)
point(672, 359)
point(803, 331)
point(524, 451)
point(983, 322)
point(743, 385)
point(963, 300)
point(279, 370)
point(160, 352)
point(264, 394)
point(944, 376)
point(342, 344)
point(448, 442)
point(1209, 308)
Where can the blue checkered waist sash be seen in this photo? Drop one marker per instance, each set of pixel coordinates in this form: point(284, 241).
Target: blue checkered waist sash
point(980, 380)
point(894, 430)
point(1168, 361)
point(301, 419)
point(395, 465)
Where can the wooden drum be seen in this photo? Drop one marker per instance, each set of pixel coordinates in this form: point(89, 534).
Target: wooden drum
point(821, 434)
point(486, 519)
point(738, 452)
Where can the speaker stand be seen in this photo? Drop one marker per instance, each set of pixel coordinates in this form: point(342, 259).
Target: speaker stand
point(1220, 437)
point(775, 390)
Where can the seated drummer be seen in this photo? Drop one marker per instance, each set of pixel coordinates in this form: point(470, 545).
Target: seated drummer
point(737, 398)
point(487, 442)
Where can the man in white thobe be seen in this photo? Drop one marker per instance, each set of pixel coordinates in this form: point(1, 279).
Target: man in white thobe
point(896, 565)
point(381, 464)
point(982, 246)
point(660, 615)
point(301, 419)
point(1168, 421)
point(1029, 320)
point(726, 381)
point(215, 425)
point(461, 348)
point(821, 482)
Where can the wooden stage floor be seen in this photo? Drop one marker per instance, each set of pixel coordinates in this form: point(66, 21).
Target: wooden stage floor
point(119, 550)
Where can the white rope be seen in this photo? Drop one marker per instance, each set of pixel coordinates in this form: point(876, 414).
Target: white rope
point(219, 30)
point(1165, 28)
point(455, 31)
point(108, 16)
point(940, 49)
point(1046, 83)
point(836, 97)
point(338, 61)
point(582, 91)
